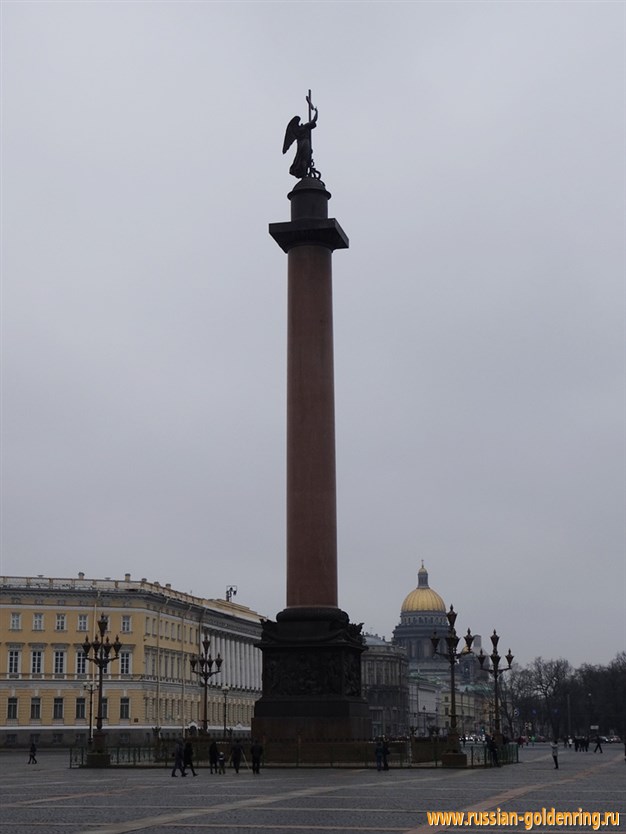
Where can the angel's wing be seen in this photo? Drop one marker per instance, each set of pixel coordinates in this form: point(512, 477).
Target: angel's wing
point(290, 133)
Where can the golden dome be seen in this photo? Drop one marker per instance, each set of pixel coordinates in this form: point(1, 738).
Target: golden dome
point(423, 598)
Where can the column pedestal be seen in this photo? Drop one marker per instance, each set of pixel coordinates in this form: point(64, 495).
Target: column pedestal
point(311, 678)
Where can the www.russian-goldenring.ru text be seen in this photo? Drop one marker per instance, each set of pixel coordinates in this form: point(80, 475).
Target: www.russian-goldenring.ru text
point(595, 820)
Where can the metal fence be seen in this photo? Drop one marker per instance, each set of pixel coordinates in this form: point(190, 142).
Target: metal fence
point(309, 754)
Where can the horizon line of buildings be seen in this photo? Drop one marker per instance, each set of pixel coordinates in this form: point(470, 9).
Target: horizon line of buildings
point(47, 684)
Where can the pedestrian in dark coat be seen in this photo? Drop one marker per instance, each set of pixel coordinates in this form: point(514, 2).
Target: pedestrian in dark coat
point(492, 747)
point(188, 757)
point(33, 754)
point(598, 745)
point(213, 755)
point(386, 752)
point(179, 759)
point(256, 754)
point(378, 753)
point(236, 754)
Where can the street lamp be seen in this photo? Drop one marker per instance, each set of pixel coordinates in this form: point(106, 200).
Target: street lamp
point(496, 671)
point(90, 688)
point(453, 757)
point(101, 649)
point(205, 671)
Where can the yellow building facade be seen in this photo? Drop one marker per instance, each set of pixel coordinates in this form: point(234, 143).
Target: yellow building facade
point(49, 688)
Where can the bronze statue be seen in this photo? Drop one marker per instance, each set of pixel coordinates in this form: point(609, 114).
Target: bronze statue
point(303, 165)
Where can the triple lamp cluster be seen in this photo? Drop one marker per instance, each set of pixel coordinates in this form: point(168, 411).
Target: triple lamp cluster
point(449, 645)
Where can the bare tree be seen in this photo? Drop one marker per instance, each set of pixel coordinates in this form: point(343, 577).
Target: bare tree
point(551, 681)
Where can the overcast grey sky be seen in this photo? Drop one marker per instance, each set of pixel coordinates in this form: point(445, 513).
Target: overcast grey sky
point(475, 153)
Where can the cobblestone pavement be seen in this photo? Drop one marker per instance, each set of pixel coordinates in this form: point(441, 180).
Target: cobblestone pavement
point(49, 798)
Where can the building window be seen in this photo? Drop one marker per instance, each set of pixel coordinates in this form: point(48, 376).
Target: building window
point(104, 714)
point(124, 663)
point(14, 661)
point(124, 708)
point(81, 663)
point(37, 622)
point(36, 662)
point(126, 624)
point(35, 709)
point(12, 709)
point(16, 622)
point(59, 662)
point(80, 708)
point(57, 708)
point(83, 622)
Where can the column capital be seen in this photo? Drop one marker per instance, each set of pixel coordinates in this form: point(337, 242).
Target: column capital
point(309, 231)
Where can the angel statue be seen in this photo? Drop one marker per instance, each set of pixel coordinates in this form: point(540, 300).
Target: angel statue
point(302, 165)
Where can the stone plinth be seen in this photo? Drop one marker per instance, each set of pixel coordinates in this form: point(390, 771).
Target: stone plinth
point(311, 678)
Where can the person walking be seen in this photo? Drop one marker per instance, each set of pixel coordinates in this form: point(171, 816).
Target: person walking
point(235, 755)
point(256, 754)
point(555, 752)
point(378, 754)
point(213, 756)
point(188, 757)
point(33, 754)
point(492, 747)
point(221, 762)
point(598, 745)
point(179, 759)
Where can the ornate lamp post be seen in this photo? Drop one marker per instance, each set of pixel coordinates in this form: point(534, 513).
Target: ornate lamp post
point(453, 757)
point(496, 671)
point(90, 688)
point(203, 667)
point(101, 648)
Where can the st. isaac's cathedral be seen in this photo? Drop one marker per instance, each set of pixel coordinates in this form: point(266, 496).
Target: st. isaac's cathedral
point(423, 614)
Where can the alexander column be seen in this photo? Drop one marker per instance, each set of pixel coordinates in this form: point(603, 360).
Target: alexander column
point(311, 653)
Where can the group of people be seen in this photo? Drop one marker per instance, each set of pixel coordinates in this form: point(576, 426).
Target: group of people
point(183, 757)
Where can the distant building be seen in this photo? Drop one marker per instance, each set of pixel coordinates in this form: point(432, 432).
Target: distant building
point(384, 679)
point(46, 680)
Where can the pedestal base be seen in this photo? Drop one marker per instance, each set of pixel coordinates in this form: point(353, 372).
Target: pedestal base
point(453, 758)
point(97, 755)
point(311, 678)
point(98, 758)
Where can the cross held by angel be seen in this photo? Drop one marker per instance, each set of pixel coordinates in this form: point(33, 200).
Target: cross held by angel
point(302, 165)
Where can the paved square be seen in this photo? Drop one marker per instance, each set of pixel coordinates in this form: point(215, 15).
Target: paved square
point(49, 798)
